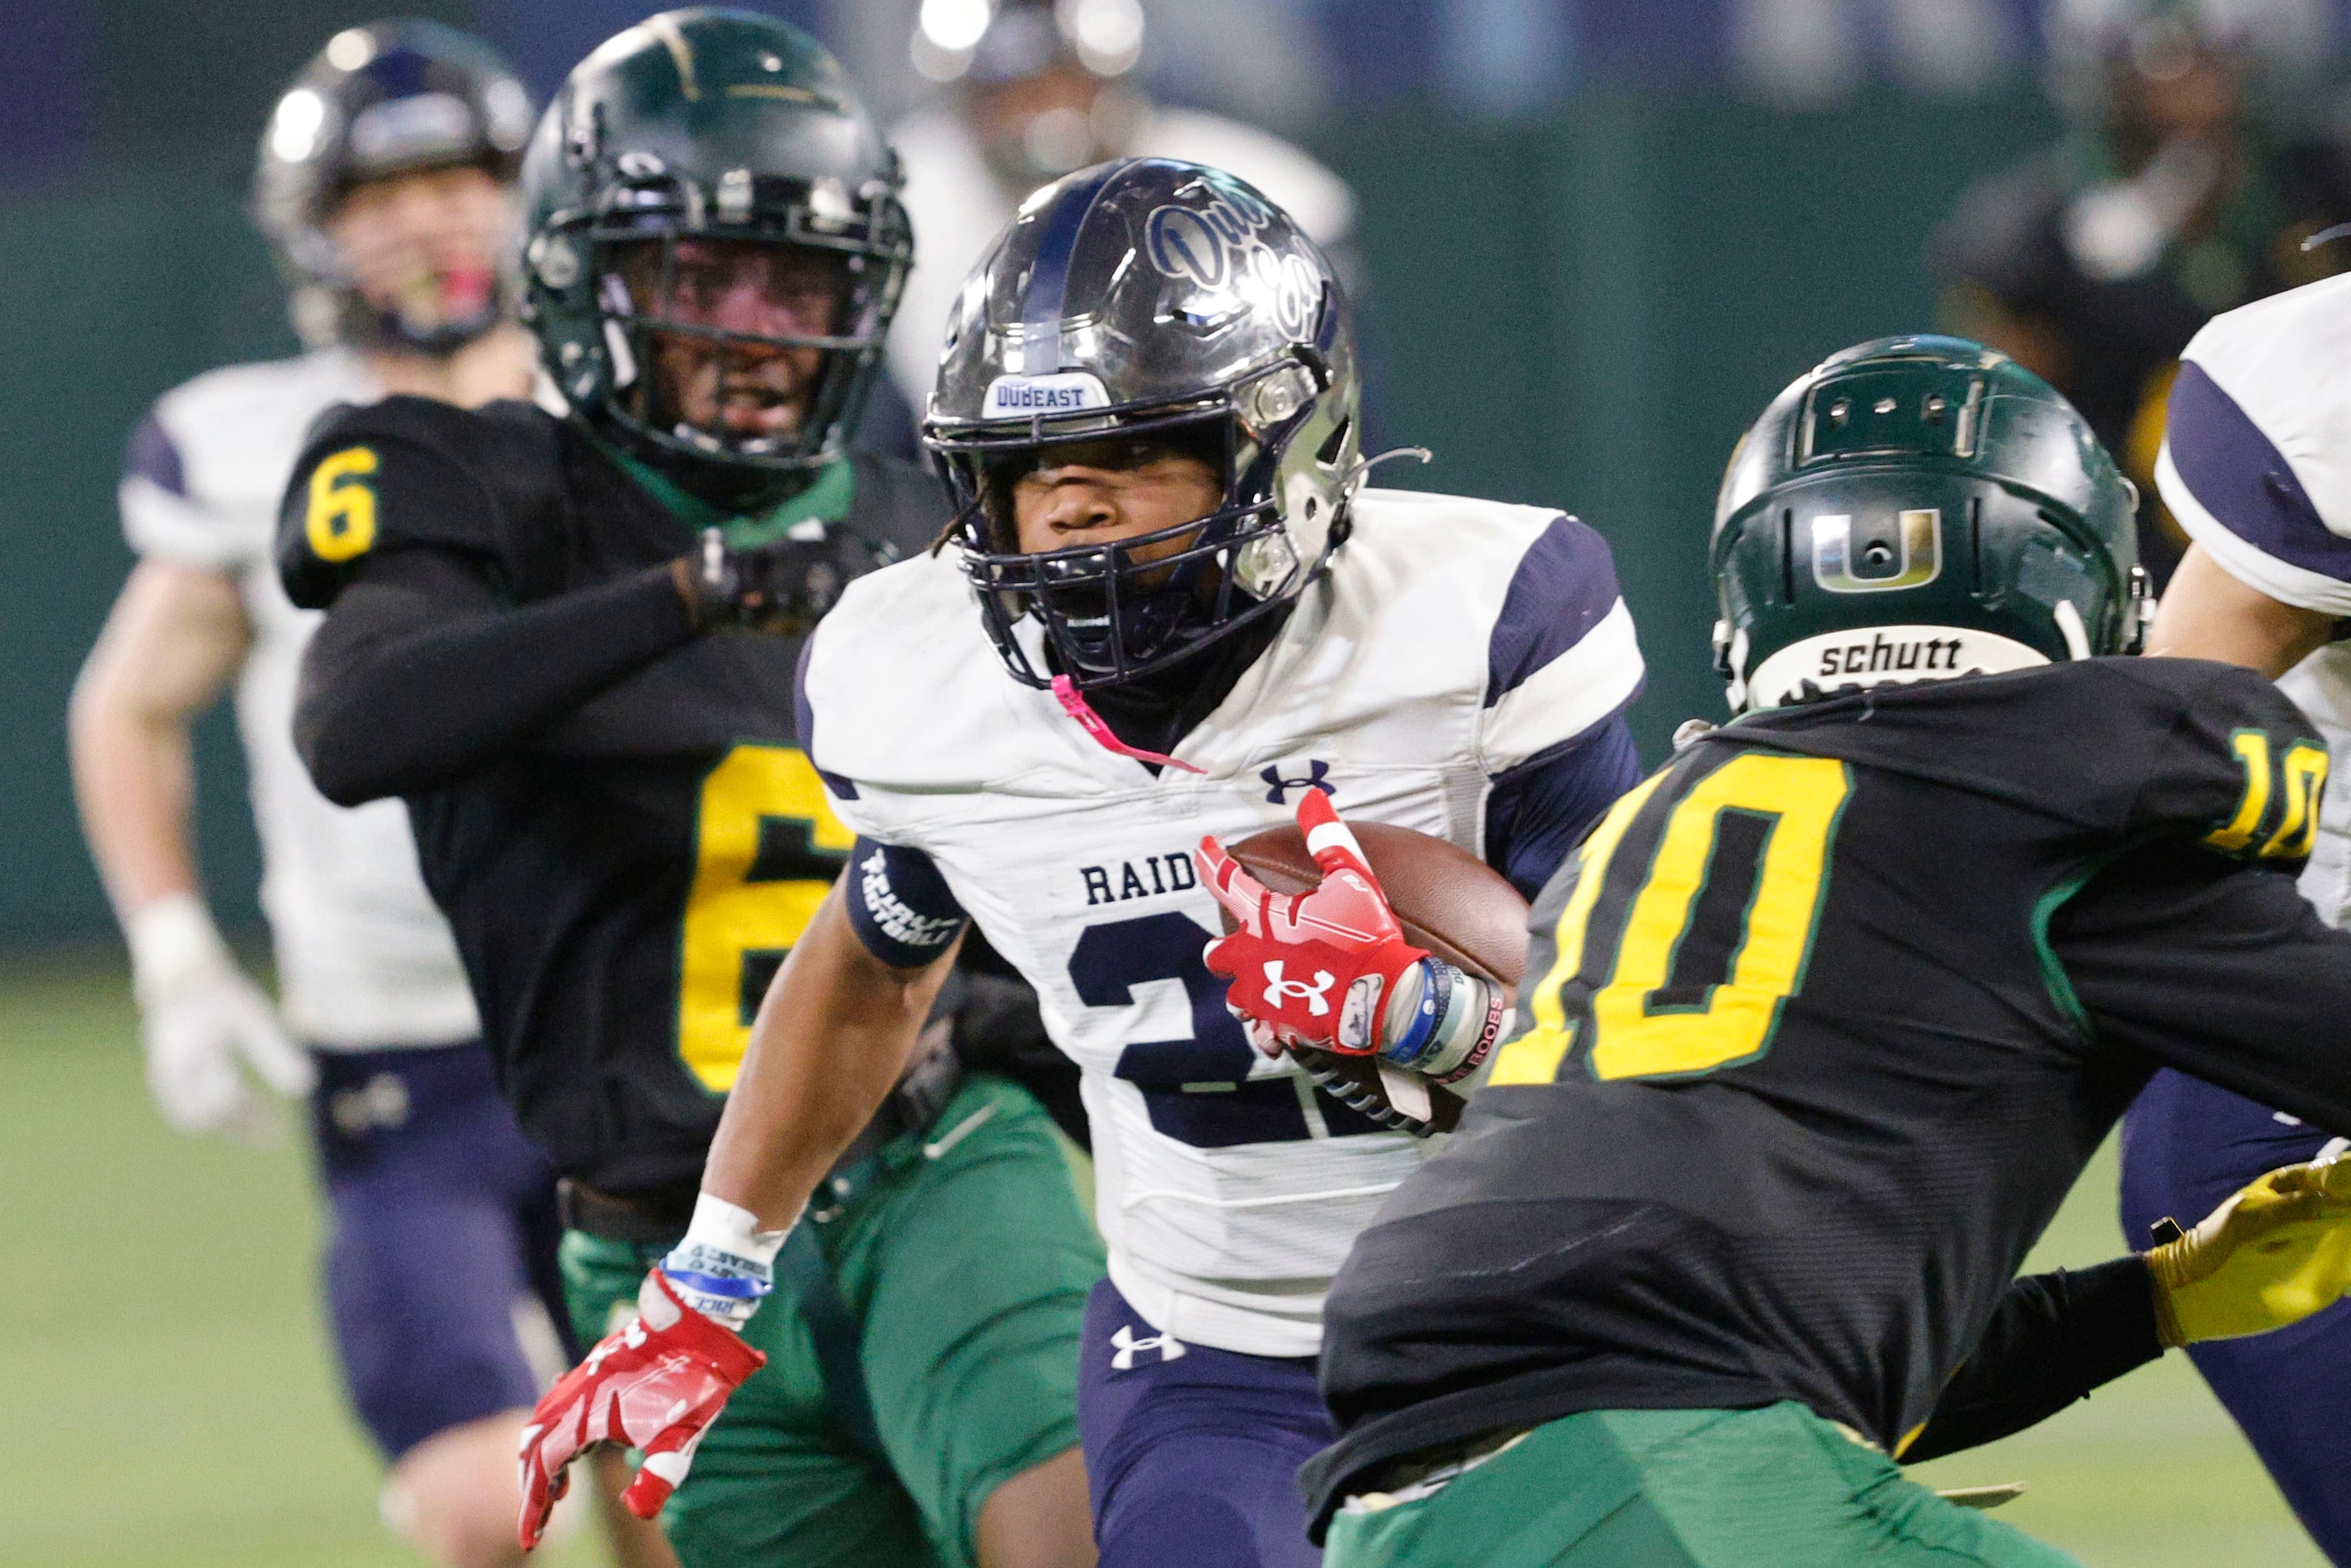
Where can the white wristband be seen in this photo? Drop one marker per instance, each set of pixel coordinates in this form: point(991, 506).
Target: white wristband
point(172, 940)
point(726, 1263)
point(731, 1229)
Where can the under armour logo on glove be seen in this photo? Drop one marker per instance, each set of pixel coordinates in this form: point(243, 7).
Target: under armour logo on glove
point(1126, 1345)
point(1342, 932)
point(1279, 990)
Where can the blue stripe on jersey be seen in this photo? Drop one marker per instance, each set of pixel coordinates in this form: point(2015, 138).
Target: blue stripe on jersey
point(900, 906)
point(153, 456)
point(2240, 476)
point(804, 723)
point(1565, 583)
point(1042, 306)
point(1539, 810)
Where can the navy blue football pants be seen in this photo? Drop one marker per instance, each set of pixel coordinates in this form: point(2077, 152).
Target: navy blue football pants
point(444, 1225)
point(2186, 1146)
point(1192, 1453)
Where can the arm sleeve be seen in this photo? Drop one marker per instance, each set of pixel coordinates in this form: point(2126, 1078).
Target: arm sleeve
point(1562, 659)
point(164, 520)
point(2225, 473)
point(419, 675)
point(1539, 810)
point(899, 904)
point(2233, 766)
point(2186, 959)
point(2053, 1338)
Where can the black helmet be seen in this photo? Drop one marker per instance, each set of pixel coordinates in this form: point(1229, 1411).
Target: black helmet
point(1149, 298)
point(719, 125)
point(1917, 508)
point(386, 99)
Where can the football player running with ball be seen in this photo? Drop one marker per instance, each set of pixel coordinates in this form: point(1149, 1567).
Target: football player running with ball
point(1167, 608)
point(568, 642)
point(1832, 1010)
point(385, 187)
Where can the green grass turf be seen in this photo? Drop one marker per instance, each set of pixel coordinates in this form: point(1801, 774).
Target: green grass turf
point(172, 1399)
point(169, 1387)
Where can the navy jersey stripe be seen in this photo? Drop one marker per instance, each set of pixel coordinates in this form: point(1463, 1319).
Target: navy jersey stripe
point(804, 723)
point(1041, 307)
point(1539, 810)
point(1565, 583)
point(2241, 477)
point(155, 458)
point(899, 904)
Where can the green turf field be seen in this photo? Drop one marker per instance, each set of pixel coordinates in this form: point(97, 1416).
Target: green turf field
point(171, 1399)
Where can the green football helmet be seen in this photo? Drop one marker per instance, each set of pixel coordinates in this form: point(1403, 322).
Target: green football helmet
point(1915, 509)
point(712, 128)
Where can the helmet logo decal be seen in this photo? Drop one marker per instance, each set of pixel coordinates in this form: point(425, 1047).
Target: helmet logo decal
point(1217, 249)
point(1019, 397)
point(1916, 558)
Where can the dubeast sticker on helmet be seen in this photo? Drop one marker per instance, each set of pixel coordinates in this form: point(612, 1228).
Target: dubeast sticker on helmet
point(1018, 397)
point(1912, 559)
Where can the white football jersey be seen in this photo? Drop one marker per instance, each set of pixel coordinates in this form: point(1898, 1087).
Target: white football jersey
point(364, 959)
point(2256, 465)
point(1450, 641)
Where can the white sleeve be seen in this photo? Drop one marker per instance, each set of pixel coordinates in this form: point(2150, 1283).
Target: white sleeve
point(1562, 659)
point(161, 519)
point(2254, 465)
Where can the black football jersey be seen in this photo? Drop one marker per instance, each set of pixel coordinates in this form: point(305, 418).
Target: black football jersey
point(1829, 1014)
point(625, 879)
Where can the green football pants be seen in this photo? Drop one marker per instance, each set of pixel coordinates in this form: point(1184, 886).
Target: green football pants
point(1774, 1488)
point(951, 1283)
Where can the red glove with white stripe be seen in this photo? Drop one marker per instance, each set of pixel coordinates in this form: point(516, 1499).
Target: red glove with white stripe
point(1313, 968)
point(656, 1386)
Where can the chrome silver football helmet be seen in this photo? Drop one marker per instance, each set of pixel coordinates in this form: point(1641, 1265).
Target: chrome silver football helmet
point(1156, 300)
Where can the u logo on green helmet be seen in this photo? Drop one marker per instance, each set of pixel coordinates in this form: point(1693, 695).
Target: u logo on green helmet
point(1913, 558)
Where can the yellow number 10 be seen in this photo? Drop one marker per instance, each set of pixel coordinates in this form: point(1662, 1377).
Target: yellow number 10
point(2304, 771)
point(1696, 983)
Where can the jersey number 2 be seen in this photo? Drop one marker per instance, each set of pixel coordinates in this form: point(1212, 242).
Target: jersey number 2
point(1714, 940)
point(767, 848)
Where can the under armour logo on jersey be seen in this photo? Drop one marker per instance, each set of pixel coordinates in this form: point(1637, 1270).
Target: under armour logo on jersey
point(1125, 1343)
point(1279, 990)
point(1277, 788)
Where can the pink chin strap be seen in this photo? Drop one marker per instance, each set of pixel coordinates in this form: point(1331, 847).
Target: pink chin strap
point(1073, 703)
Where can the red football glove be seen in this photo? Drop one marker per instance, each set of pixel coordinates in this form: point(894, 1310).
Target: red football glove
point(1310, 968)
point(656, 1385)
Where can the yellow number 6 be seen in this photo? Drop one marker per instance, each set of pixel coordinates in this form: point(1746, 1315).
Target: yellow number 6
point(341, 520)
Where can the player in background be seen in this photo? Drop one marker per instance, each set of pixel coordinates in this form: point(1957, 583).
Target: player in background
point(1169, 607)
point(2253, 469)
point(2183, 188)
point(385, 187)
point(1048, 87)
point(1832, 1010)
point(568, 641)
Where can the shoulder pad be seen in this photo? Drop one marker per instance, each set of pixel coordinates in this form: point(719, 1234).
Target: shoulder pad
point(409, 472)
point(2253, 463)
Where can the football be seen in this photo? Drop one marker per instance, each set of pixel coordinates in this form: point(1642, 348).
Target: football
point(1448, 901)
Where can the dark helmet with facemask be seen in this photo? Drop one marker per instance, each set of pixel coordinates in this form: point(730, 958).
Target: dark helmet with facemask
point(717, 128)
point(386, 98)
point(1164, 304)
